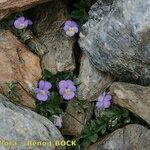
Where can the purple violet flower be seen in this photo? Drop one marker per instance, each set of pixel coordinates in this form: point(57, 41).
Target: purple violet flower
point(104, 100)
point(71, 27)
point(67, 89)
point(22, 23)
point(58, 120)
point(42, 92)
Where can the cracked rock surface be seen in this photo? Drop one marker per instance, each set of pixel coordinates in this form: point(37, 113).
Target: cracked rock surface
point(131, 137)
point(75, 119)
point(93, 81)
point(10, 6)
point(50, 19)
point(23, 125)
point(18, 63)
point(116, 39)
point(133, 97)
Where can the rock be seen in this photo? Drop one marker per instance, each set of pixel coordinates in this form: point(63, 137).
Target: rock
point(33, 43)
point(20, 65)
point(8, 7)
point(75, 118)
point(128, 138)
point(116, 39)
point(50, 19)
point(93, 81)
point(23, 127)
point(133, 97)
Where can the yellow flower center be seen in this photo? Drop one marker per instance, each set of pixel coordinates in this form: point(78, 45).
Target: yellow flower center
point(42, 92)
point(71, 29)
point(68, 92)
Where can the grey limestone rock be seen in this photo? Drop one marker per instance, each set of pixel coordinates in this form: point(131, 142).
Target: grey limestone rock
point(93, 81)
point(133, 97)
point(50, 19)
point(131, 137)
point(116, 39)
point(23, 126)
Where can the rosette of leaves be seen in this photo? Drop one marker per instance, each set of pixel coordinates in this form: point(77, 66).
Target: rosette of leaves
point(111, 119)
point(80, 12)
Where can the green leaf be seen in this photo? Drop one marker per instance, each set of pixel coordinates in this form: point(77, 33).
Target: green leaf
point(125, 114)
point(51, 106)
point(110, 113)
point(12, 85)
point(99, 121)
point(103, 130)
point(51, 111)
point(46, 74)
point(77, 14)
point(86, 142)
point(99, 129)
point(92, 126)
point(93, 138)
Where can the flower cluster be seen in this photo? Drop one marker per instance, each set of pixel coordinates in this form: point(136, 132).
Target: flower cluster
point(66, 89)
point(71, 27)
point(104, 101)
point(22, 23)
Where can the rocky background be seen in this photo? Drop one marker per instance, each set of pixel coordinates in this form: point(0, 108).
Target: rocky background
point(110, 53)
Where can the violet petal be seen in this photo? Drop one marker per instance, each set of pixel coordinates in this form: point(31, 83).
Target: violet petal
point(107, 97)
point(69, 82)
point(47, 85)
point(76, 29)
point(66, 28)
point(17, 24)
point(42, 97)
point(68, 23)
point(70, 34)
point(36, 90)
point(62, 91)
point(26, 24)
point(68, 97)
point(30, 22)
point(107, 104)
point(72, 88)
point(99, 104)
point(41, 84)
point(21, 19)
point(100, 98)
point(62, 84)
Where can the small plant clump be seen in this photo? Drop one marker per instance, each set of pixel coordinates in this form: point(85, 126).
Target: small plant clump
point(63, 89)
point(80, 13)
point(12, 93)
point(111, 119)
point(53, 93)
